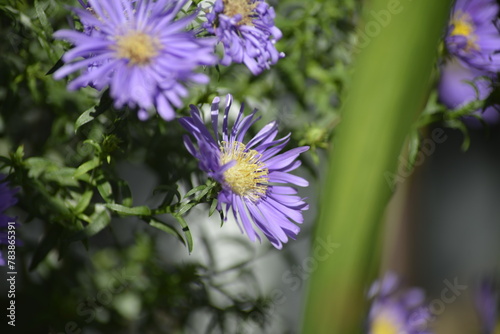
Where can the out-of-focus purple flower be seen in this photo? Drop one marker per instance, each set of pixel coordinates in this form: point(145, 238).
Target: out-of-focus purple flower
point(473, 43)
point(254, 175)
point(395, 310)
point(87, 27)
point(139, 50)
point(456, 89)
point(246, 30)
point(7, 199)
point(486, 299)
point(473, 36)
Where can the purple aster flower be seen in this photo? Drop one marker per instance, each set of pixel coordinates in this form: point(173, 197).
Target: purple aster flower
point(486, 299)
point(473, 35)
point(456, 90)
point(7, 199)
point(254, 176)
point(395, 310)
point(246, 30)
point(139, 50)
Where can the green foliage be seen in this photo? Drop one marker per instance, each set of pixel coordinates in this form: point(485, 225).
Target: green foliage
point(130, 289)
point(68, 172)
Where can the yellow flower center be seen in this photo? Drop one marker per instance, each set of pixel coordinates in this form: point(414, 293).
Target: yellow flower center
point(383, 325)
point(137, 47)
point(244, 7)
point(248, 176)
point(497, 329)
point(463, 26)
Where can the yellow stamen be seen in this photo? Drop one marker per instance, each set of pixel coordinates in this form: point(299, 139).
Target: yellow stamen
point(382, 325)
point(137, 47)
point(248, 177)
point(245, 8)
point(463, 26)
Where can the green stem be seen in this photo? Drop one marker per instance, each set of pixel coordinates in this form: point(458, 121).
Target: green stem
point(388, 90)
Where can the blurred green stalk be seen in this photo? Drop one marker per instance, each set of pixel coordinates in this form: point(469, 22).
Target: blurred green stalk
point(389, 88)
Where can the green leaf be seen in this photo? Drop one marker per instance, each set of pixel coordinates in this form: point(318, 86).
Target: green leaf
point(186, 230)
point(42, 17)
point(84, 118)
point(84, 201)
point(213, 207)
point(92, 113)
point(100, 220)
point(166, 228)
point(458, 124)
point(104, 188)
point(195, 190)
point(94, 144)
point(63, 176)
point(37, 166)
point(19, 154)
point(203, 193)
point(126, 211)
point(56, 204)
point(185, 207)
point(126, 195)
point(87, 166)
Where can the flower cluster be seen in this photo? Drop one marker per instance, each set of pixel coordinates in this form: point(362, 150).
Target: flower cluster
point(254, 175)
point(395, 310)
point(145, 54)
point(246, 30)
point(139, 50)
point(7, 199)
point(473, 43)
